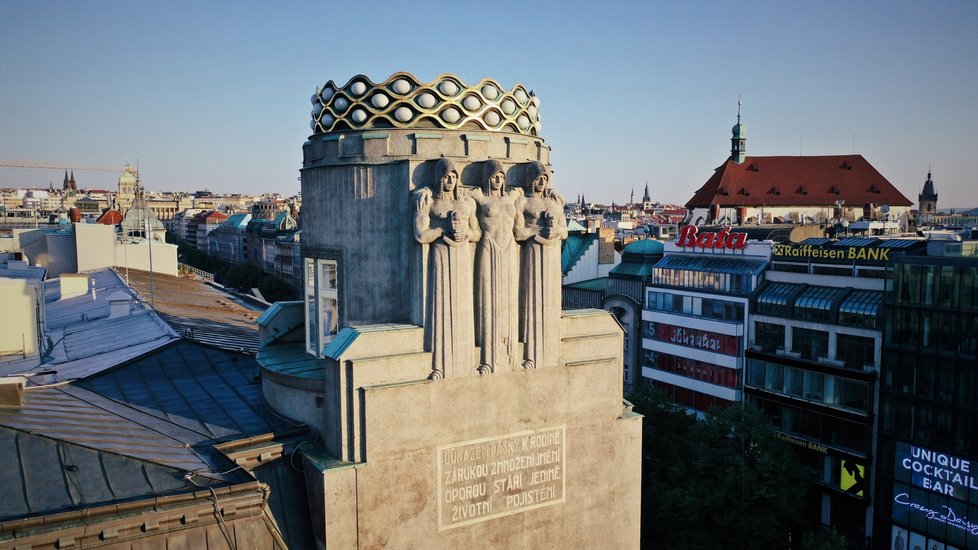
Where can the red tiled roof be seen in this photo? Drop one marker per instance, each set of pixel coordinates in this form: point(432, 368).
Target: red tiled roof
point(797, 181)
point(110, 217)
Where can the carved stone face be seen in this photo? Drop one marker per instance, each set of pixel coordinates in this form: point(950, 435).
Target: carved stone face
point(446, 176)
point(448, 182)
point(497, 181)
point(540, 184)
point(535, 179)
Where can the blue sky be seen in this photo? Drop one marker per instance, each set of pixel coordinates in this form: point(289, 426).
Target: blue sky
point(216, 95)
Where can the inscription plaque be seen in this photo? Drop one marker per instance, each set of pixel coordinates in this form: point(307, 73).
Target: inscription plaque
point(498, 476)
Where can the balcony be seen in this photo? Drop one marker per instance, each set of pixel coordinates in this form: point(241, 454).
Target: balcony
point(788, 353)
point(831, 361)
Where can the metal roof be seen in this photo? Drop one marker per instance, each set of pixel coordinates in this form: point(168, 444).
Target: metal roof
point(900, 243)
point(85, 418)
point(815, 241)
point(206, 390)
point(41, 475)
point(136, 431)
point(712, 264)
point(819, 297)
point(777, 293)
point(288, 495)
point(201, 312)
point(857, 241)
point(84, 340)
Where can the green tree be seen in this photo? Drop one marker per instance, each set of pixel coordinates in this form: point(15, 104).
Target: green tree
point(721, 482)
point(823, 539)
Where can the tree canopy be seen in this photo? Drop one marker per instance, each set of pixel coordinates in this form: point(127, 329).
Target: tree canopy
point(724, 481)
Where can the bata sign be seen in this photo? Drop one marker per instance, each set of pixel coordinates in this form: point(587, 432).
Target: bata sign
point(690, 236)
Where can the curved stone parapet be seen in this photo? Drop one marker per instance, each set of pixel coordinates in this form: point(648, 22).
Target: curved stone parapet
point(403, 101)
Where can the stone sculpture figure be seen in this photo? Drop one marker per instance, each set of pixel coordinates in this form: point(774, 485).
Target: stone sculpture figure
point(540, 290)
point(497, 270)
point(445, 220)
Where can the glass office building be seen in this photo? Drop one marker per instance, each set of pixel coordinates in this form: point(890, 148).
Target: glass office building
point(694, 319)
point(815, 348)
point(927, 460)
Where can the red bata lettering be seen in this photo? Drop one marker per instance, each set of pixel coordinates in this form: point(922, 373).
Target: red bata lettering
point(690, 236)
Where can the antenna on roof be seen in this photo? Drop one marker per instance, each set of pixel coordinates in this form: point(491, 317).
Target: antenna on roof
point(801, 145)
point(854, 144)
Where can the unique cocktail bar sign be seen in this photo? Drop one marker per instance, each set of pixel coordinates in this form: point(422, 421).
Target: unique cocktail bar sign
point(499, 476)
point(692, 237)
point(935, 471)
point(939, 473)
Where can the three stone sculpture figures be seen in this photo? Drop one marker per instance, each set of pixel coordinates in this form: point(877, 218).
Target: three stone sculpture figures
point(504, 294)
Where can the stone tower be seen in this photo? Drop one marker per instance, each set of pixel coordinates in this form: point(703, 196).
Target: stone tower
point(927, 200)
point(458, 406)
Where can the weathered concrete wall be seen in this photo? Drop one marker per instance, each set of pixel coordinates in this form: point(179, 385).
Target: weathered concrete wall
point(94, 243)
point(136, 256)
point(358, 208)
point(19, 325)
point(359, 216)
point(401, 431)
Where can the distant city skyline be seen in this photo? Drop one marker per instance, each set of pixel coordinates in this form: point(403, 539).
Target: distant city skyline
point(216, 95)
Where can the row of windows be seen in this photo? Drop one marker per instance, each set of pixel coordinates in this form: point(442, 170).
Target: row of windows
point(937, 379)
point(697, 370)
point(824, 389)
point(944, 286)
point(855, 352)
point(843, 434)
point(840, 270)
point(945, 331)
point(930, 425)
point(702, 280)
point(709, 308)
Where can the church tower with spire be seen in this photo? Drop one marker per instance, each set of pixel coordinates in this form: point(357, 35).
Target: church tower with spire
point(646, 199)
point(738, 142)
point(927, 200)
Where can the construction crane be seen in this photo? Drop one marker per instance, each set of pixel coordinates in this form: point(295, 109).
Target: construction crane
point(56, 166)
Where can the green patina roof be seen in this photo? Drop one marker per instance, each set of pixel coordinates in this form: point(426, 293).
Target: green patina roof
point(574, 248)
point(590, 284)
point(644, 246)
point(291, 359)
point(633, 269)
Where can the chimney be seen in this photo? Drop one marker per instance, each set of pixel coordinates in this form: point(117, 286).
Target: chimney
point(606, 245)
point(120, 304)
point(12, 390)
point(72, 285)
